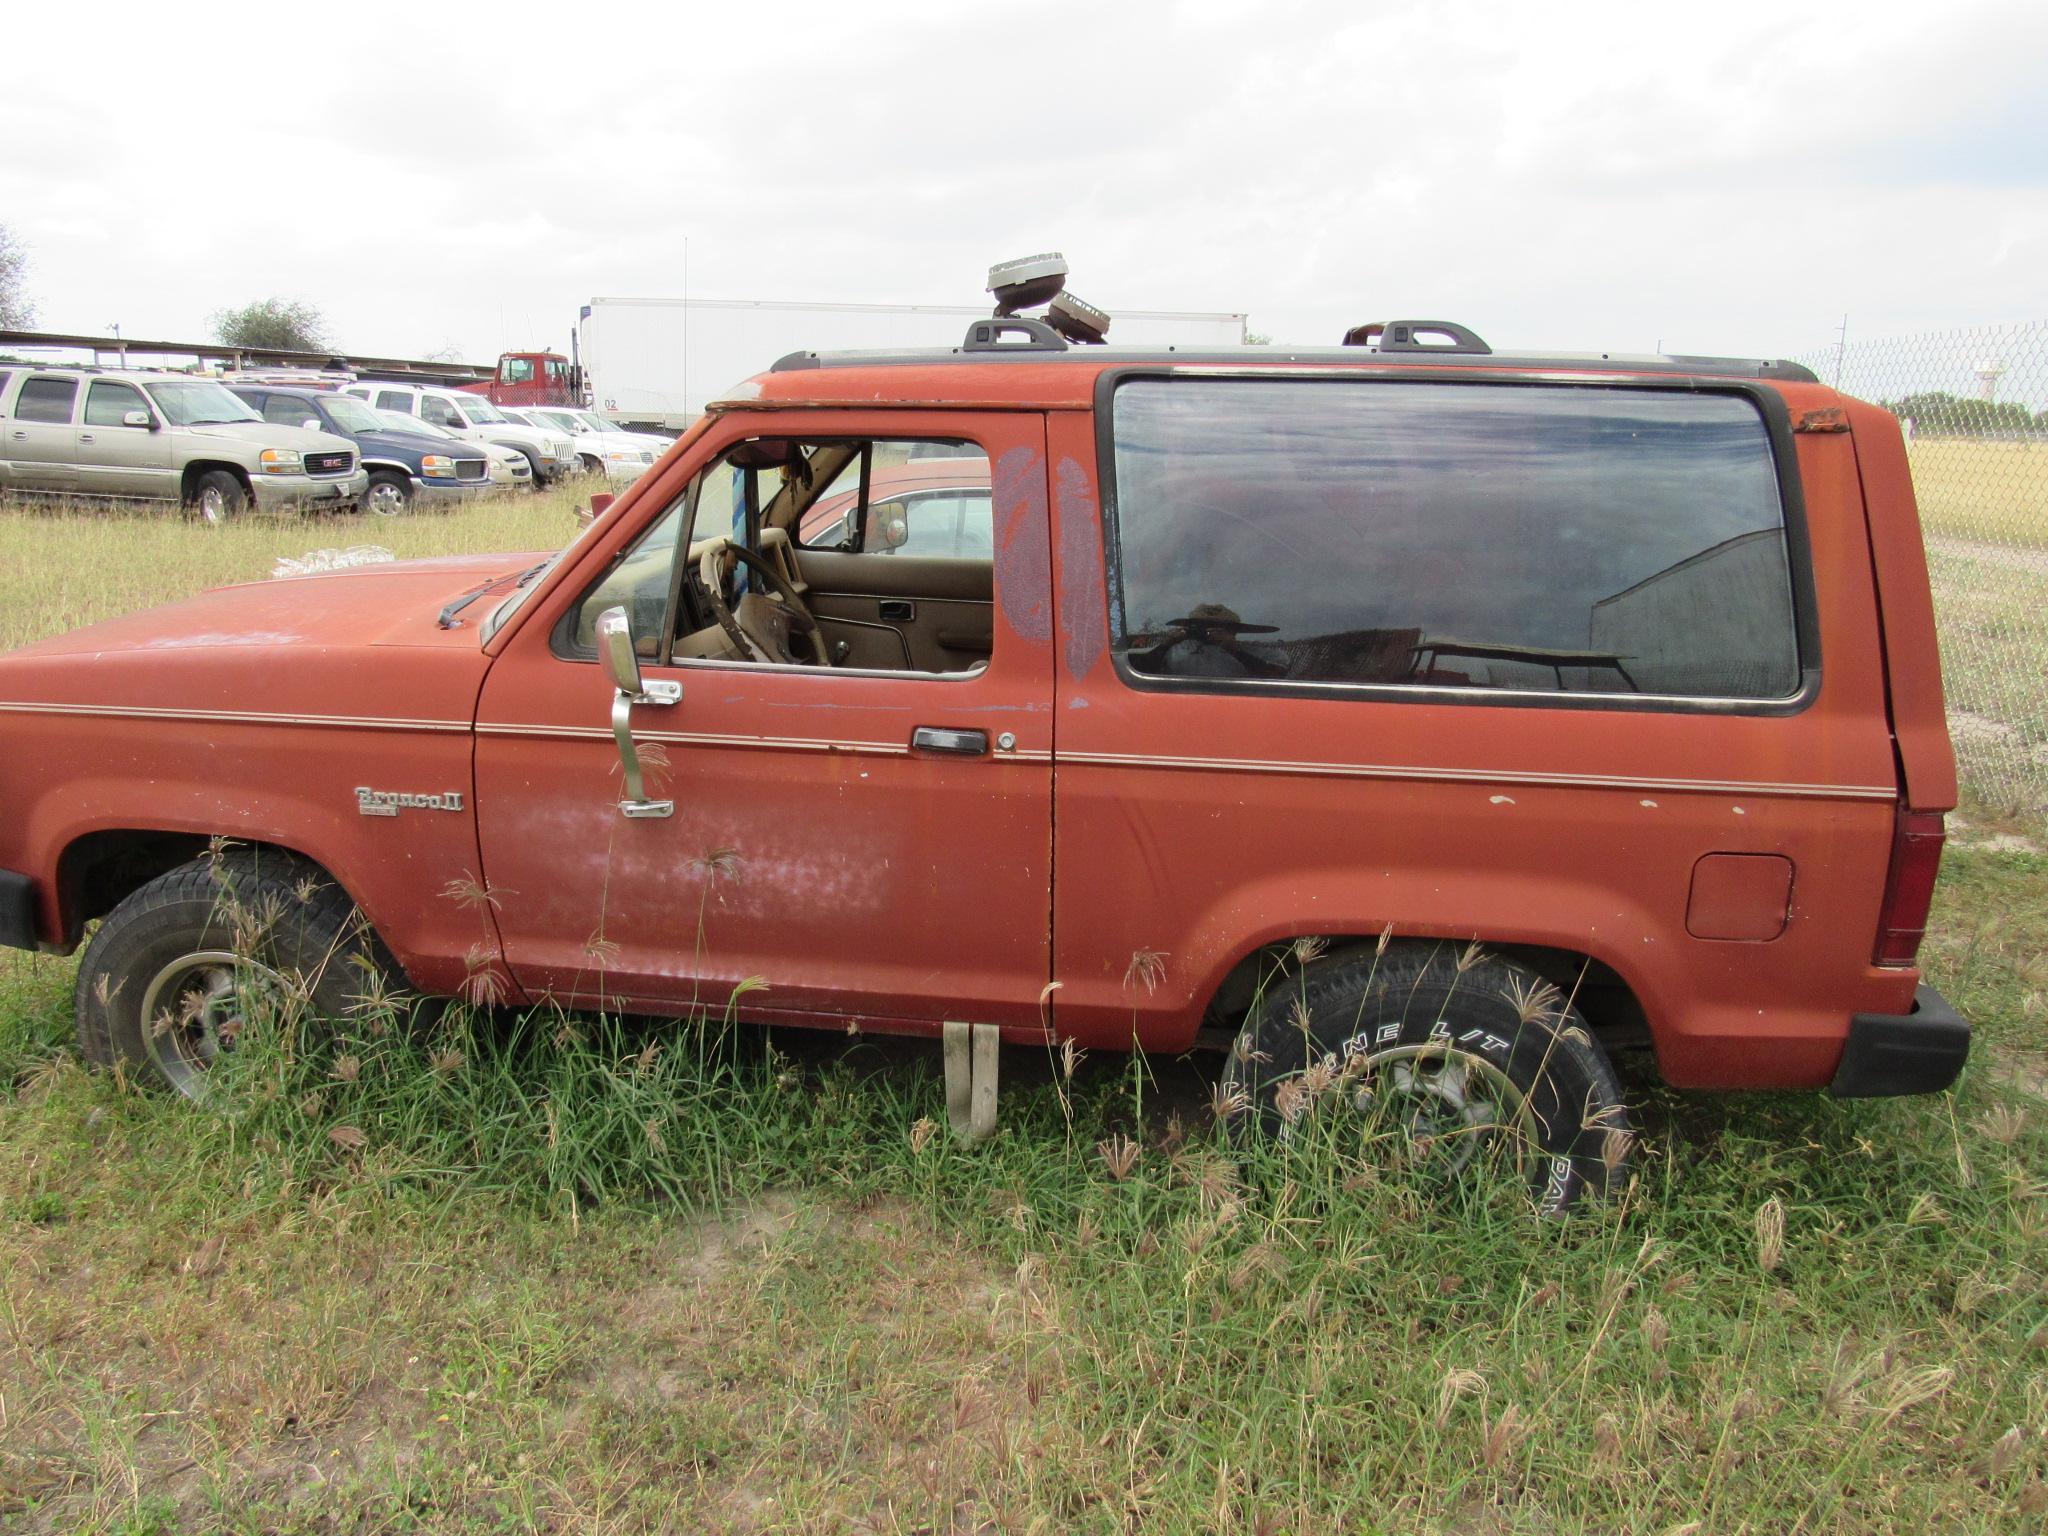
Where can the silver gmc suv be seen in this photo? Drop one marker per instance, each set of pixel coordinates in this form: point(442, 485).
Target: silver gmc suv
point(163, 437)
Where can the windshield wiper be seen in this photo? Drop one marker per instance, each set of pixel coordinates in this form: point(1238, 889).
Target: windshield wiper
point(447, 620)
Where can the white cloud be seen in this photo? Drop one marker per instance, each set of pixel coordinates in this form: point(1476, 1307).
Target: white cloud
point(1581, 176)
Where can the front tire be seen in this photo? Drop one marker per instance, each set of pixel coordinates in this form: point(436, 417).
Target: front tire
point(183, 965)
point(387, 494)
point(1461, 1058)
point(218, 497)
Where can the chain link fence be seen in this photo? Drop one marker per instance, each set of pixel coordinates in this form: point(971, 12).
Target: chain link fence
point(1974, 406)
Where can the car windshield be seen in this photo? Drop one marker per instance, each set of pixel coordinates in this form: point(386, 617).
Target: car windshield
point(352, 415)
point(200, 404)
point(564, 421)
point(398, 421)
point(591, 423)
point(477, 408)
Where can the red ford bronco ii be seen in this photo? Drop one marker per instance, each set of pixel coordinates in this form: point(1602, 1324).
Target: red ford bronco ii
point(1504, 707)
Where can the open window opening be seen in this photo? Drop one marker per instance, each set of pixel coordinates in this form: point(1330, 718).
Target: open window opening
point(862, 554)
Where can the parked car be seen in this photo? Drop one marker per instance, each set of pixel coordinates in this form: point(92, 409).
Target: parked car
point(601, 449)
point(550, 454)
point(507, 467)
point(403, 464)
point(136, 435)
point(1424, 722)
point(929, 509)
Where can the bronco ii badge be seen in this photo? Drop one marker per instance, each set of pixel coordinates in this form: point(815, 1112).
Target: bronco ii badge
point(389, 802)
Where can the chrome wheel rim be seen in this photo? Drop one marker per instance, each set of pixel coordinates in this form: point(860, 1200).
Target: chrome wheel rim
point(385, 499)
point(213, 506)
point(1451, 1105)
point(195, 1008)
point(1448, 1106)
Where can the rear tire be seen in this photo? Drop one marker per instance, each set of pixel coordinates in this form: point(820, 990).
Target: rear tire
point(175, 971)
point(387, 494)
point(218, 497)
point(1466, 1057)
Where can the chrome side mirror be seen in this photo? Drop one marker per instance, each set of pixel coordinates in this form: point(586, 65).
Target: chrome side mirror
point(622, 664)
point(138, 419)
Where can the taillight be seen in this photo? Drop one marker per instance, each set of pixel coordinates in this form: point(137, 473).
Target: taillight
point(1909, 887)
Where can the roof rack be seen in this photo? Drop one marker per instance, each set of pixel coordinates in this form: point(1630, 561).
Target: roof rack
point(1409, 336)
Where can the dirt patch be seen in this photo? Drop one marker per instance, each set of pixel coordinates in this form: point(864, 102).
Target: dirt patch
point(2025, 1070)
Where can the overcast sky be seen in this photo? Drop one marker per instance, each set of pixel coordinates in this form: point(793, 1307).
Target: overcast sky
point(1720, 178)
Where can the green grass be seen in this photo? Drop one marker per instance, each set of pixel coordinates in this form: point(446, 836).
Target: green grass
point(595, 1276)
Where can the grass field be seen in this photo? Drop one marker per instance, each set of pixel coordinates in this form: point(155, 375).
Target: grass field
point(1989, 492)
point(574, 1276)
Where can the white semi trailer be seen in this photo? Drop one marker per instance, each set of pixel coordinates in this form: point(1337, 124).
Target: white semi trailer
point(656, 362)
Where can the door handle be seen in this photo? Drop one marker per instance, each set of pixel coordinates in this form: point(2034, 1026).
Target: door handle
point(940, 738)
point(20, 437)
point(86, 437)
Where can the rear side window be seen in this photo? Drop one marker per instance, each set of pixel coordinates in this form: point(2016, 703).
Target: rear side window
point(46, 399)
point(1473, 536)
point(4, 377)
point(394, 400)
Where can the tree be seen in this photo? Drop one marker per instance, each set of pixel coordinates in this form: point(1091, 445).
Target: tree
point(276, 325)
point(16, 313)
point(1938, 411)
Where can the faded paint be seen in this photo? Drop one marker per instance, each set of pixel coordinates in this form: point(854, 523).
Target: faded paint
point(1083, 619)
point(1023, 558)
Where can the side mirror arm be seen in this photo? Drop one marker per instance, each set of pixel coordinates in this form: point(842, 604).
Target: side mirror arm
point(615, 646)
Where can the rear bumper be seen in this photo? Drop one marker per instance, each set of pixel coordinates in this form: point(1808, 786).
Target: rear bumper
point(1893, 1053)
point(18, 911)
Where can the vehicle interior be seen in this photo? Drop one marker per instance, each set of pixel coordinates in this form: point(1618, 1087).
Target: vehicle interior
point(871, 555)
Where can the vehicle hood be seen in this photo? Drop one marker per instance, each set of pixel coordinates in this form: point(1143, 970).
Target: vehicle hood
point(413, 444)
point(513, 432)
point(266, 434)
point(391, 603)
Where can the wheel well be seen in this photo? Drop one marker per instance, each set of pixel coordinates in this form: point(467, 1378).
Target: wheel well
point(389, 467)
point(1598, 991)
point(188, 484)
point(101, 869)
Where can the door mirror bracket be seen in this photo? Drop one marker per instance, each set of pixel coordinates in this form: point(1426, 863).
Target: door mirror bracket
point(622, 664)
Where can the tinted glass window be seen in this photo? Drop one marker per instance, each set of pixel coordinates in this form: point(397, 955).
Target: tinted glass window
point(1452, 535)
point(46, 399)
point(394, 400)
point(107, 402)
point(288, 410)
point(439, 412)
point(518, 370)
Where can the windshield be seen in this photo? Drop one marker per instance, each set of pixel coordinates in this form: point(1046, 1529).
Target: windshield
point(477, 408)
point(352, 415)
point(200, 404)
point(564, 421)
point(509, 604)
point(592, 423)
point(398, 421)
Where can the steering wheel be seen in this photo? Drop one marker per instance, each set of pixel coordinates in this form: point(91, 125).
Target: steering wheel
point(711, 575)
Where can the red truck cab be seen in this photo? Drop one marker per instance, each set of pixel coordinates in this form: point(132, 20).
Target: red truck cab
point(532, 378)
point(1423, 722)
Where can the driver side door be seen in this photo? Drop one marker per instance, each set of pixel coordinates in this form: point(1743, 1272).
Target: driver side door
point(873, 844)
